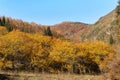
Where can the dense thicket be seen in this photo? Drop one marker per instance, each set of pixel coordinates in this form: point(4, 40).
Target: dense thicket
point(15, 24)
point(34, 52)
point(11, 24)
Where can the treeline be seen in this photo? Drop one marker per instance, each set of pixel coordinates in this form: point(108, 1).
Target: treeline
point(16, 24)
point(36, 53)
point(11, 24)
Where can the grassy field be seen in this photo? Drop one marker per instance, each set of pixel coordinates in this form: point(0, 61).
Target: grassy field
point(58, 77)
point(44, 76)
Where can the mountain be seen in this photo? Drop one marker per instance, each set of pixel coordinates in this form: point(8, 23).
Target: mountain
point(22, 41)
point(105, 28)
point(69, 30)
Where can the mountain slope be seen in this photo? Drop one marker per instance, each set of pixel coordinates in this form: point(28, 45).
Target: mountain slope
point(69, 30)
point(105, 28)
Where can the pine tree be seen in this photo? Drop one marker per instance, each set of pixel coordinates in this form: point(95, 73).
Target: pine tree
point(8, 26)
point(3, 21)
point(6, 23)
point(119, 2)
point(48, 32)
point(0, 21)
point(111, 40)
point(118, 8)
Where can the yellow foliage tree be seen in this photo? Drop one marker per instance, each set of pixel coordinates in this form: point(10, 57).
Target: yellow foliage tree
point(3, 31)
point(24, 51)
point(63, 54)
point(96, 51)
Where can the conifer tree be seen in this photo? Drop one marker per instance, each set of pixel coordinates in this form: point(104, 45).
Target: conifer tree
point(3, 21)
point(111, 40)
point(8, 26)
point(48, 32)
point(118, 8)
point(119, 2)
point(0, 21)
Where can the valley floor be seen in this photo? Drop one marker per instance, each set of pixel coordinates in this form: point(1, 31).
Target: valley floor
point(44, 76)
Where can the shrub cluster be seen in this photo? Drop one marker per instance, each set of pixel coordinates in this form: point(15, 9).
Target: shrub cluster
point(34, 52)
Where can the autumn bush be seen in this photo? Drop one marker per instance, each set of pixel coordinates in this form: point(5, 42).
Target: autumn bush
point(34, 52)
point(3, 30)
point(98, 52)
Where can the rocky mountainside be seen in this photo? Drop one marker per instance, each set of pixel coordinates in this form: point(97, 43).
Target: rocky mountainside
point(104, 29)
point(69, 30)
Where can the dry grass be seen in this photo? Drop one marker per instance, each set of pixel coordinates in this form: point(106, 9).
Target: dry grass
point(44, 76)
point(115, 66)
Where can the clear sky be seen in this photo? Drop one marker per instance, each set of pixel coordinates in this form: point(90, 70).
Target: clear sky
point(49, 12)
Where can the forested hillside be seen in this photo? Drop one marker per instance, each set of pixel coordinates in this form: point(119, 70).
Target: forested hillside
point(34, 52)
point(68, 47)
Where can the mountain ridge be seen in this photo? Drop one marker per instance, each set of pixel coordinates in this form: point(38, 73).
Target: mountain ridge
point(75, 31)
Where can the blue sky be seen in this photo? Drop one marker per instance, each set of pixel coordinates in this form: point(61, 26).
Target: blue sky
point(49, 12)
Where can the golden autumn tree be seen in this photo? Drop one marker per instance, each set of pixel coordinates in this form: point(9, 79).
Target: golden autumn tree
point(34, 52)
point(62, 55)
point(3, 30)
point(13, 46)
point(97, 51)
point(40, 52)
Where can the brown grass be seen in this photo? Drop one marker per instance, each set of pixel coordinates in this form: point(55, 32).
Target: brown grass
point(45, 76)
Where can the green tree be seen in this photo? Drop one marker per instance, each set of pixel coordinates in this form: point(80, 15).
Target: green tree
point(0, 21)
point(3, 21)
point(48, 32)
point(118, 8)
point(8, 26)
point(111, 40)
point(119, 2)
